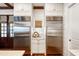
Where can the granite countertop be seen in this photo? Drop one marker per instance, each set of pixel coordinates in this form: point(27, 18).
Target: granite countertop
point(11, 52)
point(75, 52)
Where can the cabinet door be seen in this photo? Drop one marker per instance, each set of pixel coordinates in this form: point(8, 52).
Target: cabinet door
point(34, 48)
point(1, 43)
point(22, 9)
point(38, 46)
point(42, 48)
point(10, 42)
point(54, 9)
point(6, 42)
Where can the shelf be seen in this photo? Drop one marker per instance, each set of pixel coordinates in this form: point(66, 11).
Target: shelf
point(54, 18)
point(22, 18)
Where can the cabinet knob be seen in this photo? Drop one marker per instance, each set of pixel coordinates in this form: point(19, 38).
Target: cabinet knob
point(69, 40)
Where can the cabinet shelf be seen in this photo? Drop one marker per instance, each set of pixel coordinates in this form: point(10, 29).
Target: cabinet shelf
point(54, 18)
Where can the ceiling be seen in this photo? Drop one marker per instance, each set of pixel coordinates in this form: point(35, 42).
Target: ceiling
point(6, 6)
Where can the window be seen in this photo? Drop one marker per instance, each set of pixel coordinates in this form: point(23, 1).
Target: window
point(3, 29)
point(6, 27)
point(11, 30)
point(0, 29)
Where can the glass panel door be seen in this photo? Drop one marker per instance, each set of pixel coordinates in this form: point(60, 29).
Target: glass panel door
point(54, 35)
point(3, 29)
point(22, 32)
point(6, 31)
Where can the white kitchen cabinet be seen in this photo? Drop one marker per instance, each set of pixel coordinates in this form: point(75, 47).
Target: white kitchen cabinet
point(54, 9)
point(38, 46)
point(34, 47)
point(42, 48)
point(22, 9)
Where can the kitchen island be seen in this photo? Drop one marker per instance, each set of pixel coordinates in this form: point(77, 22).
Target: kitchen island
point(12, 52)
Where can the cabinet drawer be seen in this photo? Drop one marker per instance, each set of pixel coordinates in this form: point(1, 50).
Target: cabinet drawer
point(38, 41)
point(42, 48)
point(34, 48)
point(6, 42)
point(42, 41)
point(34, 41)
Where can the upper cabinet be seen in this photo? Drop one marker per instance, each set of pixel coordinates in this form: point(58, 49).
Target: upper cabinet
point(55, 9)
point(6, 11)
point(22, 9)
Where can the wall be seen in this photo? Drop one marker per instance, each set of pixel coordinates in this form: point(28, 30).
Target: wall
point(66, 30)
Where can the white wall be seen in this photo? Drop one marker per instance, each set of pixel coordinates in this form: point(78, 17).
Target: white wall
point(66, 30)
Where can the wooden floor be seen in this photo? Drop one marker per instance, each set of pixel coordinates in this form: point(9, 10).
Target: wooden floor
point(51, 51)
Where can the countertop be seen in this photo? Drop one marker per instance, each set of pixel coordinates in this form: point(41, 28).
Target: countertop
point(75, 52)
point(11, 52)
